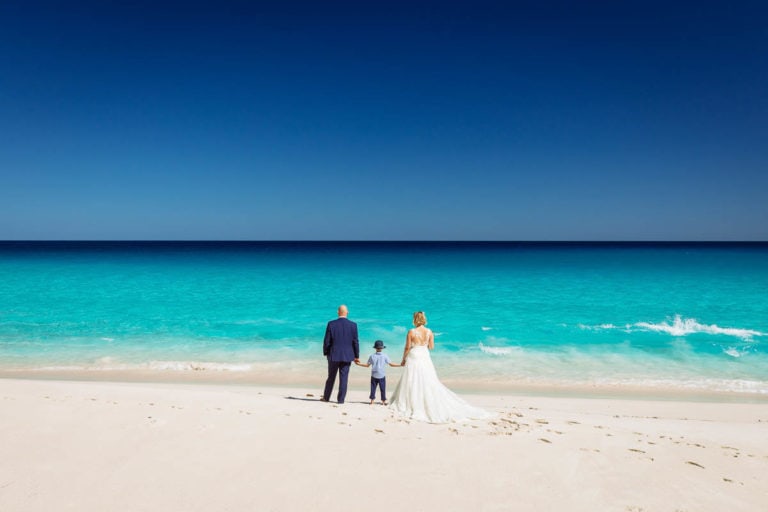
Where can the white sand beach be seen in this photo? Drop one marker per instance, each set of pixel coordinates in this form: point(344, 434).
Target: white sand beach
point(95, 446)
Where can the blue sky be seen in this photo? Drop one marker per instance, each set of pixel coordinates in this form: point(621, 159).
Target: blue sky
point(384, 120)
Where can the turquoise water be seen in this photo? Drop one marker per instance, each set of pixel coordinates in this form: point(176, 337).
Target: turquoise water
point(680, 316)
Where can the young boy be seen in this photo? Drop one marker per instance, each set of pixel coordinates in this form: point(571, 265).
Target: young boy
point(378, 362)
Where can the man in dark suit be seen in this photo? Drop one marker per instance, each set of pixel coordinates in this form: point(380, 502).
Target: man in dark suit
point(341, 347)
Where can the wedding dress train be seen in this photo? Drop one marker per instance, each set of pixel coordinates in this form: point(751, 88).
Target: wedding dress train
point(421, 396)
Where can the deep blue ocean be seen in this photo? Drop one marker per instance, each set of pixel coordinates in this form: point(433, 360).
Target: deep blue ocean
point(680, 316)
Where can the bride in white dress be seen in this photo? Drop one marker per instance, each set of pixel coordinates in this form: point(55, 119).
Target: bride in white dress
point(420, 395)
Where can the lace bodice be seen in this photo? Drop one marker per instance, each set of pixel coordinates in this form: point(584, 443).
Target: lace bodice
point(420, 337)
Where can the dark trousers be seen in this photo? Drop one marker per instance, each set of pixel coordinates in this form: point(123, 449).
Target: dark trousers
point(382, 384)
point(342, 367)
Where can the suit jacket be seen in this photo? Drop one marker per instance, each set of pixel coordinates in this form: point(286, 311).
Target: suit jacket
point(341, 343)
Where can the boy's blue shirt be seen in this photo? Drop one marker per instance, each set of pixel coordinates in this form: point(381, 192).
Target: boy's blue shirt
point(379, 362)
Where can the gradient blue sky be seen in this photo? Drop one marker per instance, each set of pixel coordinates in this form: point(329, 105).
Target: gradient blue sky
point(384, 120)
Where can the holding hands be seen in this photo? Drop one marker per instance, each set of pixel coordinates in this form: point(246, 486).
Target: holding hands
point(366, 365)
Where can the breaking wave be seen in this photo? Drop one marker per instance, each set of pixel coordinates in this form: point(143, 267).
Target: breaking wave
point(680, 326)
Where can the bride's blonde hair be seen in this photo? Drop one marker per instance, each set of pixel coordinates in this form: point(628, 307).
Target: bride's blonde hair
point(419, 318)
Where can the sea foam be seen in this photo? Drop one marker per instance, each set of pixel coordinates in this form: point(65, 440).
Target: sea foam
point(685, 326)
point(495, 351)
point(198, 366)
point(680, 326)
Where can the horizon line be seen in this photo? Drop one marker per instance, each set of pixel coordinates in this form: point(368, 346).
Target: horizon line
point(357, 241)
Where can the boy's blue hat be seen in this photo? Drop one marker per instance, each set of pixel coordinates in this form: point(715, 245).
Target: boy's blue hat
point(378, 344)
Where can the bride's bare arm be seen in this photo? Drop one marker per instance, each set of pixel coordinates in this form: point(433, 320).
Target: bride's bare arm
point(431, 340)
point(407, 347)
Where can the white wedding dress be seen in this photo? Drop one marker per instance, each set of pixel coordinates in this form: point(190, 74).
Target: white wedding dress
point(421, 396)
